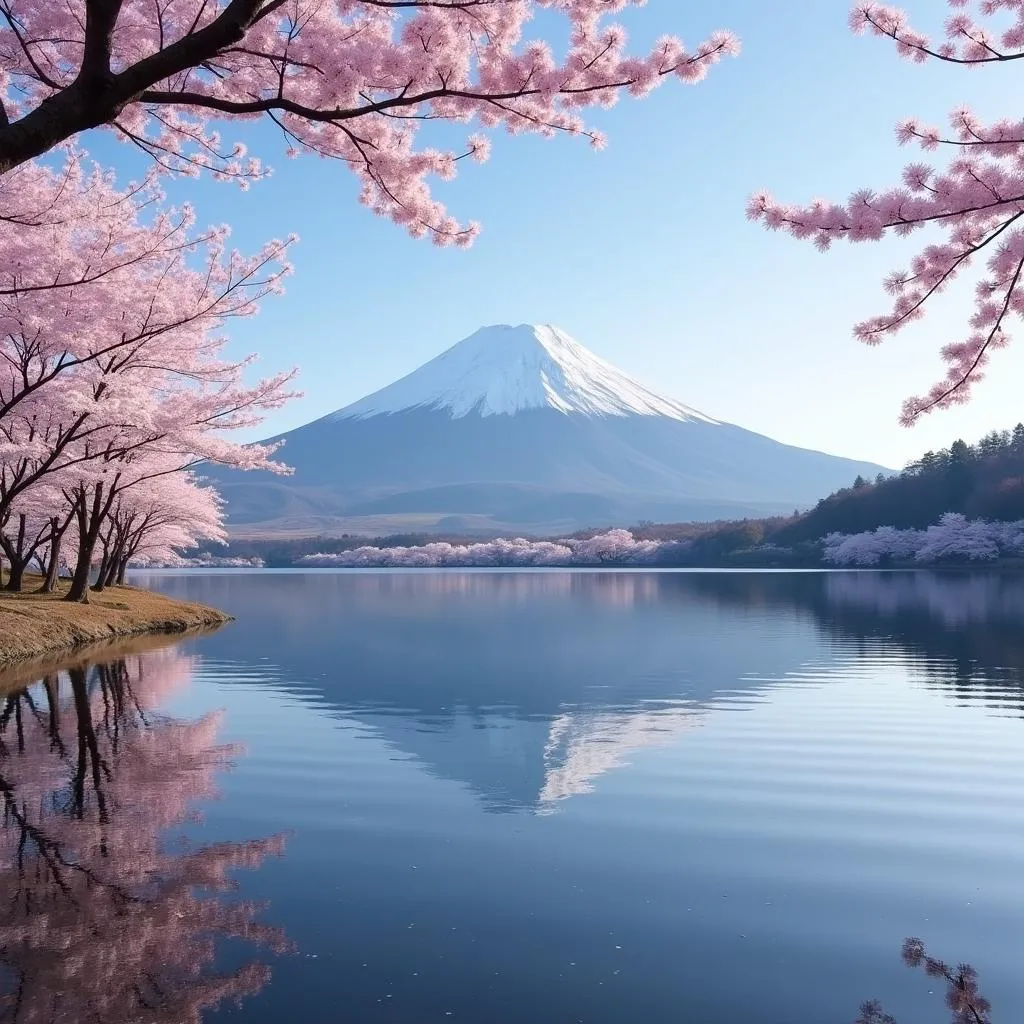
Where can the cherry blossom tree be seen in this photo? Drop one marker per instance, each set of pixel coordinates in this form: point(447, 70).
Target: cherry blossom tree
point(111, 374)
point(953, 538)
point(486, 554)
point(614, 547)
point(167, 514)
point(161, 559)
point(352, 80)
point(34, 529)
point(871, 547)
point(104, 296)
point(140, 423)
point(95, 275)
point(975, 201)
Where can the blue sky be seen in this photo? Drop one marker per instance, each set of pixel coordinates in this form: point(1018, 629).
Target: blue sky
point(642, 252)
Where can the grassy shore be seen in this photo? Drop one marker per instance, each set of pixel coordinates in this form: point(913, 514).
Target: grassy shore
point(34, 625)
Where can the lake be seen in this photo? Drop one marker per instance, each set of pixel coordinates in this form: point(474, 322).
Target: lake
point(524, 796)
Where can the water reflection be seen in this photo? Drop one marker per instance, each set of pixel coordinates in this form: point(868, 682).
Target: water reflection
point(953, 600)
point(581, 747)
point(529, 686)
point(763, 783)
point(960, 631)
point(103, 917)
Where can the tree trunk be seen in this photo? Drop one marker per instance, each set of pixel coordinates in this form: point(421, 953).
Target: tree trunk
point(80, 580)
point(112, 562)
point(53, 569)
point(90, 516)
point(101, 575)
point(15, 553)
point(121, 570)
point(89, 523)
point(16, 578)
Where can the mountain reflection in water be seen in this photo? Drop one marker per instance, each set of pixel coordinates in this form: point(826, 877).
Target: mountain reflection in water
point(530, 715)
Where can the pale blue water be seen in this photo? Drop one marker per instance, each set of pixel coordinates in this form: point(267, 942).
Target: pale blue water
point(547, 797)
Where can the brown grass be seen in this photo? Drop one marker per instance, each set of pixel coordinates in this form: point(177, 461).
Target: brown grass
point(34, 626)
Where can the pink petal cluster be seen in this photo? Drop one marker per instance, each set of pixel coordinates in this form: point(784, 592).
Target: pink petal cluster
point(352, 80)
point(614, 547)
point(966, 39)
point(113, 384)
point(953, 538)
point(974, 201)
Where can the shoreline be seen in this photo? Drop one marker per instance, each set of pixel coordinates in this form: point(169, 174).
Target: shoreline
point(34, 626)
point(1002, 564)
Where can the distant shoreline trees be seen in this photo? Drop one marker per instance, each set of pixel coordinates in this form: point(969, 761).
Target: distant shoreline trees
point(954, 539)
point(982, 484)
point(980, 481)
point(611, 548)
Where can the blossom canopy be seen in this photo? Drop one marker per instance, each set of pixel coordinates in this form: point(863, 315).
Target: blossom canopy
point(348, 79)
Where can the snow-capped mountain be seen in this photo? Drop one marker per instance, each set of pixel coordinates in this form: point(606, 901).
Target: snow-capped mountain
point(523, 429)
point(501, 371)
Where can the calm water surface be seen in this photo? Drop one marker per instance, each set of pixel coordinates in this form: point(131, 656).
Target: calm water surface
point(512, 797)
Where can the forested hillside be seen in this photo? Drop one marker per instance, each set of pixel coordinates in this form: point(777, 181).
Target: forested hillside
point(982, 481)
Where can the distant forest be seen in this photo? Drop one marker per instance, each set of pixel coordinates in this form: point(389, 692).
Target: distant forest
point(982, 481)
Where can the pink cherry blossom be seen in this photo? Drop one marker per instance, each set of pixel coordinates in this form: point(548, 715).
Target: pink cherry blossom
point(112, 378)
point(975, 201)
point(953, 538)
point(352, 80)
point(614, 547)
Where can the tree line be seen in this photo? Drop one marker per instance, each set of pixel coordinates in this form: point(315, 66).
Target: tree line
point(980, 481)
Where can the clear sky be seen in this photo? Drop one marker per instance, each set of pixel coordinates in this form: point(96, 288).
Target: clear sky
point(642, 252)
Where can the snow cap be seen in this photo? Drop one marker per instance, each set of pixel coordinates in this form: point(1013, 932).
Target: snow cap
point(503, 370)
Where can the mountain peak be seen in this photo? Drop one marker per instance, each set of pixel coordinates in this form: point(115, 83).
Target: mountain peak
point(502, 370)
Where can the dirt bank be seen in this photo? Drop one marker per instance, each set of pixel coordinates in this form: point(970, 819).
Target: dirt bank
point(34, 626)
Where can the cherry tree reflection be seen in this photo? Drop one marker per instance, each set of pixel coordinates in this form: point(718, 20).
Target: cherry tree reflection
point(102, 918)
point(963, 999)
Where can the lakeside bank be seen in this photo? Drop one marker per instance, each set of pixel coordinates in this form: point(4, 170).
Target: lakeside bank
point(34, 625)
